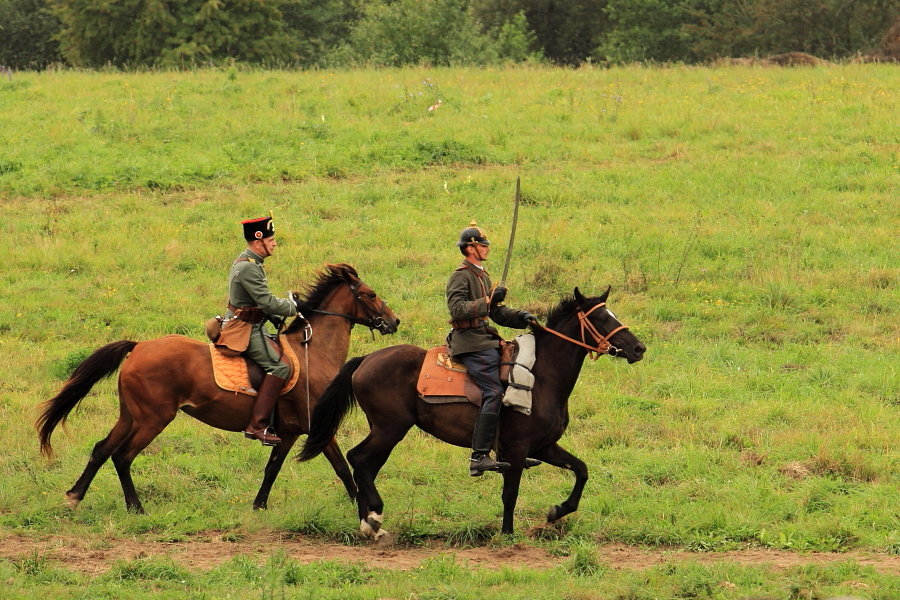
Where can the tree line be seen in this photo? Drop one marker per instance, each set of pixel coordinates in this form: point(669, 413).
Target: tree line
point(35, 34)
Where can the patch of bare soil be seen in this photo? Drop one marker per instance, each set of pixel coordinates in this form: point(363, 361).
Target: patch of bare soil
point(95, 556)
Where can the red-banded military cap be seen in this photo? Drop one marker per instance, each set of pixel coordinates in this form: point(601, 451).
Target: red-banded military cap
point(257, 229)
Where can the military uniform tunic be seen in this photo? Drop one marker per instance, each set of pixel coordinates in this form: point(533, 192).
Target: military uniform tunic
point(467, 292)
point(247, 287)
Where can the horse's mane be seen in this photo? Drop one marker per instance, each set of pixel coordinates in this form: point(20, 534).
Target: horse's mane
point(317, 291)
point(567, 306)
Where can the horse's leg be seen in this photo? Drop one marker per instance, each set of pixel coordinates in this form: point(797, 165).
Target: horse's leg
point(333, 453)
point(511, 479)
point(102, 451)
point(273, 467)
point(142, 434)
point(559, 457)
point(367, 458)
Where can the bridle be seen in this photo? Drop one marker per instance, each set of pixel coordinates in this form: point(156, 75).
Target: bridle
point(374, 318)
point(602, 343)
point(374, 321)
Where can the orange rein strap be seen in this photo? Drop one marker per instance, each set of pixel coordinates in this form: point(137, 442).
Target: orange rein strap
point(603, 344)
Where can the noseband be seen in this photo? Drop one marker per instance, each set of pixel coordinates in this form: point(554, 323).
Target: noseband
point(602, 343)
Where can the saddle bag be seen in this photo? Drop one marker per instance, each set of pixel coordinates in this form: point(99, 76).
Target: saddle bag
point(508, 352)
point(214, 328)
point(234, 337)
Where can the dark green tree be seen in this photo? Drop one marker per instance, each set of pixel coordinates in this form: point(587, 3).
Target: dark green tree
point(644, 30)
point(172, 33)
point(824, 28)
point(317, 27)
point(27, 34)
point(565, 31)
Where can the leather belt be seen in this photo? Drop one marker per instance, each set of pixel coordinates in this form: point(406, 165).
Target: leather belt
point(251, 314)
point(468, 324)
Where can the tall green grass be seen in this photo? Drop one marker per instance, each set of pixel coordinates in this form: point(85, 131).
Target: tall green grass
point(746, 219)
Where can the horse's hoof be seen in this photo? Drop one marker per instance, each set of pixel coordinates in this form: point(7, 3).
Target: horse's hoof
point(554, 514)
point(72, 501)
point(366, 529)
point(375, 521)
point(371, 526)
point(383, 538)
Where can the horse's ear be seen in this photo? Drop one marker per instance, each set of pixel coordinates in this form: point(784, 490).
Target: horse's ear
point(605, 294)
point(579, 298)
point(348, 272)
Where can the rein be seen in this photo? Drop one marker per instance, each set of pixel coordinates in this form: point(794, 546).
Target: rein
point(603, 345)
point(373, 322)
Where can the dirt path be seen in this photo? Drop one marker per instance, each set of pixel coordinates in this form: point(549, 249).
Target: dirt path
point(92, 556)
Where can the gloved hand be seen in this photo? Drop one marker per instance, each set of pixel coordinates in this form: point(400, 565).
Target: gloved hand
point(530, 321)
point(498, 296)
point(295, 298)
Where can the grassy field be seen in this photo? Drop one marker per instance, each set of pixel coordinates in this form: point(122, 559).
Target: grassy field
point(746, 218)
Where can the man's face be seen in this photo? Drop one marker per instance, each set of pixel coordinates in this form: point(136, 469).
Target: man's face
point(266, 246)
point(480, 251)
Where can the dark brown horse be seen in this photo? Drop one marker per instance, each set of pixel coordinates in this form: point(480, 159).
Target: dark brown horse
point(174, 372)
point(384, 385)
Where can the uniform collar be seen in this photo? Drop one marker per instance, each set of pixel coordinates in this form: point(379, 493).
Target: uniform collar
point(475, 268)
point(254, 256)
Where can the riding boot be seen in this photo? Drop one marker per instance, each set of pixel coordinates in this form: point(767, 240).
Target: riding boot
point(482, 440)
point(258, 428)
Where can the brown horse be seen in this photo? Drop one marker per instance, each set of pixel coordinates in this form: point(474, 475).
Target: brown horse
point(384, 385)
point(174, 372)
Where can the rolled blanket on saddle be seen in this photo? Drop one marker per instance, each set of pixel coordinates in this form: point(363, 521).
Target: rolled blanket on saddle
point(521, 379)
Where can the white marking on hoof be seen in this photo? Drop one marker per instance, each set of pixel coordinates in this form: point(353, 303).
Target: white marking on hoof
point(383, 535)
point(366, 529)
point(72, 501)
point(375, 520)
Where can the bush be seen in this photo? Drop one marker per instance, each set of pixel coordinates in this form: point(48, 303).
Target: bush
point(408, 32)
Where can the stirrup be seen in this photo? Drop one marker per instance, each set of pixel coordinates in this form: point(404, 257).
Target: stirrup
point(264, 437)
point(477, 466)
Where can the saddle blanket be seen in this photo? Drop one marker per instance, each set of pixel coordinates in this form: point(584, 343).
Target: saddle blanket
point(441, 380)
point(231, 372)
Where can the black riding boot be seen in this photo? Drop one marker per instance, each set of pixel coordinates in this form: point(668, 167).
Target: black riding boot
point(258, 428)
point(482, 440)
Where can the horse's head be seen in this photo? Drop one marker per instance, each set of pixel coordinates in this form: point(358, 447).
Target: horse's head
point(601, 330)
point(596, 315)
point(370, 310)
point(340, 292)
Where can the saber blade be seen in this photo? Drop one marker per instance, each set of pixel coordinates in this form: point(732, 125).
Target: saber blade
point(512, 234)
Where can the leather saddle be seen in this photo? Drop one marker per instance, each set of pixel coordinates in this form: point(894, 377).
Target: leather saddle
point(444, 381)
point(240, 374)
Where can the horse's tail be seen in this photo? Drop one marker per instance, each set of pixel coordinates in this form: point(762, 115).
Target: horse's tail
point(102, 363)
point(333, 406)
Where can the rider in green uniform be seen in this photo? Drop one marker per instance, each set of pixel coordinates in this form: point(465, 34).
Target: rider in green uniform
point(249, 299)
